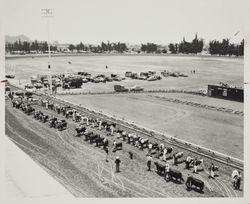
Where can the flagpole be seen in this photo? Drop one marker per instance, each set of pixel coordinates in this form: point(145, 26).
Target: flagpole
point(48, 13)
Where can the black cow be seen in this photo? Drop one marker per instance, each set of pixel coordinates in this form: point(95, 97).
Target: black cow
point(160, 168)
point(124, 136)
point(44, 118)
point(37, 114)
point(52, 122)
point(60, 125)
point(99, 141)
point(191, 181)
point(175, 174)
point(169, 150)
point(93, 138)
point(87, 135)
point(118, 146)
point(155, 146)
point(80, 131)
point(77, 118)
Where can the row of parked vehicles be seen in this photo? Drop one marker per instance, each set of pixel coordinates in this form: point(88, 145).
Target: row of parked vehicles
point(87, 77)
point(149, 76)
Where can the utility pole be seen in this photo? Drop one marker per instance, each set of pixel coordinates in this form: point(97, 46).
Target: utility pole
point(48, 13)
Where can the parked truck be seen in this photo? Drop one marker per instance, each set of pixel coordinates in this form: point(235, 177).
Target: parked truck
point(72, 82)
point(120, 88)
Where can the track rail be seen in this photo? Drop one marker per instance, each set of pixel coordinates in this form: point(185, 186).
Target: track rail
point(202, 151)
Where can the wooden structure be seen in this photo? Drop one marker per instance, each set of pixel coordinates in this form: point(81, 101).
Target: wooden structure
point(225, 92)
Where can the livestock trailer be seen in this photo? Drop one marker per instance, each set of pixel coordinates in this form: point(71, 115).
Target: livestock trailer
point(224, 92)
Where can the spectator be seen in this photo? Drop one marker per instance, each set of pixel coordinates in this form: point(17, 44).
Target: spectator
point(100, 125)
point(149, 161)
point(167, 170)
point(238, 181)
point(107, 153)
point(131, 155)
point(164, 154)
point(195, 166)
point(117, 164)
point(188, 160)
point(212, 168)
point(150, 146)
point(175, 159)
point(112, 130)
point(235, 175)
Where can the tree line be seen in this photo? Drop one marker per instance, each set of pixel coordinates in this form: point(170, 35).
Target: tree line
point(215, 47)
point(103, 47)
point(27, 47)
point(226, 48)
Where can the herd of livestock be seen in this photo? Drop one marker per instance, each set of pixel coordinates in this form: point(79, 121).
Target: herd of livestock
point(119, 138)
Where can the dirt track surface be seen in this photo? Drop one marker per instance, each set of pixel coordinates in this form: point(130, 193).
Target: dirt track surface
point(193, 124)
point(82, 169)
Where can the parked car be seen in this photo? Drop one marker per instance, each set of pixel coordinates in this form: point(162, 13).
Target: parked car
point(136, 88)
point(84, 80)
point(28, 86)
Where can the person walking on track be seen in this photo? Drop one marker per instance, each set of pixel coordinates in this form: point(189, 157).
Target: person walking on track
point(117, 164)
point(149, 161)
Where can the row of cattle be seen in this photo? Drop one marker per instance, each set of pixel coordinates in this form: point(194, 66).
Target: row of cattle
point(130, 138)
point(133, 139)
point(39, 115)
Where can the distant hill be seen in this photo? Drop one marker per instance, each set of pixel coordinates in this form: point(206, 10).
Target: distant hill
point(12, 39)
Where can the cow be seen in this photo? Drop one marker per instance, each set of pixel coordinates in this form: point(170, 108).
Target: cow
point(155, 146)
point(93, 138)
point(177, 175)
point(169, 150)
point(52, 122)
point(44, 118)
point(176, 157)
point(118, 146)
point(160, 168)
point(191, 181)
point(78, 118)
point(124, 136)
point(99, 141)
point(29, 110)
point(87, 135)
point(37, 114)
point(143, 143)
point(61, 124)
point(80, 131)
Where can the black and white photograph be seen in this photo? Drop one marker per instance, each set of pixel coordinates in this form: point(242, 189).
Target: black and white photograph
point(124, 99)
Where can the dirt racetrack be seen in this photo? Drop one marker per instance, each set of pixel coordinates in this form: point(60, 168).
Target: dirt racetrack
point(82, 169)
point(192, 124)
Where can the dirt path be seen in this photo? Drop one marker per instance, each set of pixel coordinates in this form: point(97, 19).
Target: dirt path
point(82, 169)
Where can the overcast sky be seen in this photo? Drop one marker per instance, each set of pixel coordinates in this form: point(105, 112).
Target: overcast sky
point(133, 21)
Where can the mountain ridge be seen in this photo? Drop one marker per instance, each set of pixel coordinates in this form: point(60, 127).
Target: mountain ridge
point(12, 39)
